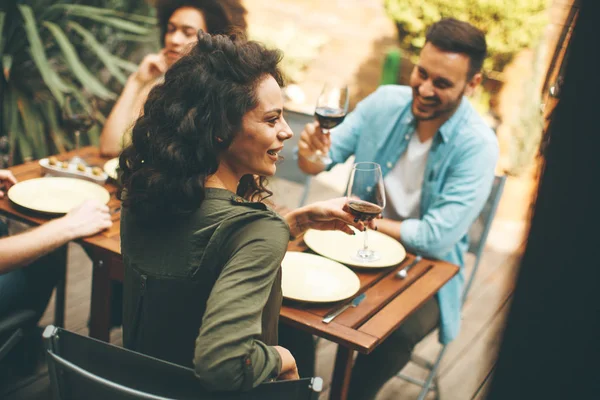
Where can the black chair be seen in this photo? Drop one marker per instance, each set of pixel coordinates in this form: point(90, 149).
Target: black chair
point(13, 327)
point(84, 368)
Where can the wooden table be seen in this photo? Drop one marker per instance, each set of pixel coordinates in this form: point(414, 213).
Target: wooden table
point(388, 303)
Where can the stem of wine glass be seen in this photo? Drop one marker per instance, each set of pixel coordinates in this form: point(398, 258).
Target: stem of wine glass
point(366, 241)
point(77, 143)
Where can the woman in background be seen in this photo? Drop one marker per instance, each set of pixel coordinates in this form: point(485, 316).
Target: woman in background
point(179, 22)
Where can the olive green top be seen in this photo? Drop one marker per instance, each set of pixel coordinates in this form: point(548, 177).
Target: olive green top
point(236, 246)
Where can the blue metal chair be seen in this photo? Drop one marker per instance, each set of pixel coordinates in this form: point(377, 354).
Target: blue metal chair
point(477, 237)
point(82, 368)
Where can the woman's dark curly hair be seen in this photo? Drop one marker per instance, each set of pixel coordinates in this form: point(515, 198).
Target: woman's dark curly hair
point(188, 121)
point(221, 16)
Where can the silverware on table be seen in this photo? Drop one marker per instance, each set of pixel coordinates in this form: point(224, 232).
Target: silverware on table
point(329, 317)
point(404, 271)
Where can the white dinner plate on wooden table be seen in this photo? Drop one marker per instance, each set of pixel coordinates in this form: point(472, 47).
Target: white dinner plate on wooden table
point(312, 278)
point(341, 247)
point(53, 195)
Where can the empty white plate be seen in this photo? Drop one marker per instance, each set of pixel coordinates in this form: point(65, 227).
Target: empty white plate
point(55, 195)
point(342, 247)
point(312, 278)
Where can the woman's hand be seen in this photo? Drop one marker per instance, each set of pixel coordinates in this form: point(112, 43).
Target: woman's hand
point(289, 370)
point(326, 215)
point(151, 67)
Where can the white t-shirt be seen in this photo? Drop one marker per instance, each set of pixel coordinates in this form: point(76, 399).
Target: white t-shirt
point(403, 183)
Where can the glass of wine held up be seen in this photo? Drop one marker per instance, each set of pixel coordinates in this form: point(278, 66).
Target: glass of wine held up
point(77, 118)
point(332, 107)
point(366, 200)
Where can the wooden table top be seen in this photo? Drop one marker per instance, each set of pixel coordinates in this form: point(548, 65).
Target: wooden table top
point(109, 239)
point(389, 300)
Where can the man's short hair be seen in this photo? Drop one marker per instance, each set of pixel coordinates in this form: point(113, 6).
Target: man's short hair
point(456, 36)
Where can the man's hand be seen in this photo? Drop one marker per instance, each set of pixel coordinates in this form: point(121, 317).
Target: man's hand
point(151, 67)
point(7, 179)
point(313, 141)
point(87, 219)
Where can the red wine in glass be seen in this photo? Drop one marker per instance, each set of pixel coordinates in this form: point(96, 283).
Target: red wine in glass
point(331, 109)
point(78, 122)
point(366, 200)
point(329, 117)
point(364, 210)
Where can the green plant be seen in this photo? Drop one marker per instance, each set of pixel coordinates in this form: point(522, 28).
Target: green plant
point(52, 48)
point(509, 25)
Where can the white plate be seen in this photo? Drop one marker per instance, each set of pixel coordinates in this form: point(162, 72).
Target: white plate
point(341, 247)
point(312, 278)
point(110, 167)
point(55, 195)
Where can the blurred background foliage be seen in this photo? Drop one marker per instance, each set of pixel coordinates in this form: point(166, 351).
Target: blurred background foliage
point(50, 49)
point(509, 25)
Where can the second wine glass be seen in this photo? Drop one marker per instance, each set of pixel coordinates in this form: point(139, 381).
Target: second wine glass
point(332, 107)
point(366, 200)
point(76, 119)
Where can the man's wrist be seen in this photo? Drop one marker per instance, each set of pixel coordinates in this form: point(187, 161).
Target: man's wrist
point(62, 229)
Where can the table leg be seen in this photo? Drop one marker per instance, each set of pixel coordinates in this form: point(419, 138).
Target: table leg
point(341, 374)
point(100, 303)
point(59, 304)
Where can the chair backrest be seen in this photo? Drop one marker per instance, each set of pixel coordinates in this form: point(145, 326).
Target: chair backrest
point(84, 368)
point(480, 228)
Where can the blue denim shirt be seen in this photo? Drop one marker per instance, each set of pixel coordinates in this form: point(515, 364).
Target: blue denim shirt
point(457, 181)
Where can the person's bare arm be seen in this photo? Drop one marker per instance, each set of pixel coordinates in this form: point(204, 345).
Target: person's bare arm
point(20, 250)
point(389, 226)
point(130, 104)
point(328, 215)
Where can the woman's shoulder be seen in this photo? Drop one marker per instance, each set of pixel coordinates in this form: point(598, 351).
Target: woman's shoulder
point(256, 220)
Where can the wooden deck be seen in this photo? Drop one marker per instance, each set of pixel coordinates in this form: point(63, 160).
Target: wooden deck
point(465, 369)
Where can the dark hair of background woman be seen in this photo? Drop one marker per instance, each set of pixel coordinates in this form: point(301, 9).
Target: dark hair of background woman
point(551, 344)
point(221, 16)
point(188, 120)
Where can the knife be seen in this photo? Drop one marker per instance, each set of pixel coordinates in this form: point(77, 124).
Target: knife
point(329, 317)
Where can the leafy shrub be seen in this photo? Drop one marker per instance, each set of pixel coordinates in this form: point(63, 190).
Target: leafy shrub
point(50, 49)
point(509, 25)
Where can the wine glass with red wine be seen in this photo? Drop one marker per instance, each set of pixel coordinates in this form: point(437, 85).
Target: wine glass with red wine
point(332, 107)
point(77, 118)
point(366, 200)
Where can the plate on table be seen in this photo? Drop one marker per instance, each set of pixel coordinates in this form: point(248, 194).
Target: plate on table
point(110, 168)
point(55, 195)
point(311, 278)
point(341, 247)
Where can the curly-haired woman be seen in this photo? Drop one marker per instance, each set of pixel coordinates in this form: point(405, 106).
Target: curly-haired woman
point(202, 251)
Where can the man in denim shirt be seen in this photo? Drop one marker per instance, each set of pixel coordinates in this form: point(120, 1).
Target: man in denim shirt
point(438, 158)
